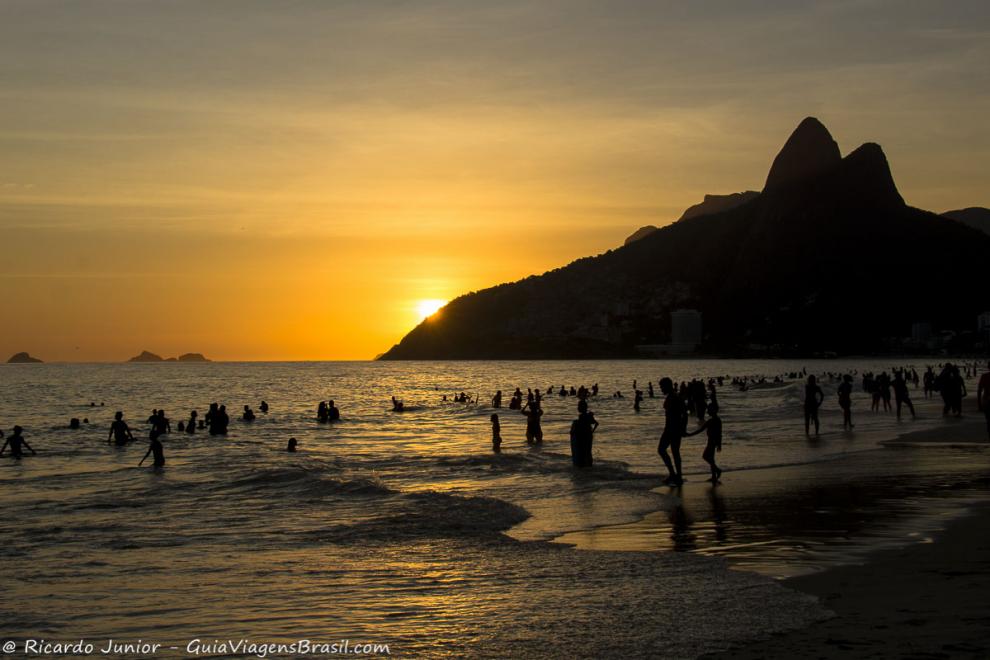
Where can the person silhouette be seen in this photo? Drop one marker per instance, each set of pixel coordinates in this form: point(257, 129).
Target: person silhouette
point(248, 415)
point(291, 446)
point(397, 405)
point(120, 432)
point(263, 406)
point(534, 431)
point(155, 447)
point(582, 436)
point(901, 394)
point(497, 399)
point(333, 413)
point(675, 419)
point(638, 400)
point(813, 399)
point(16, 442)
point(321, 412)
point(845, 402)
point(713, 425)
point(191, 424)
point(496, 434)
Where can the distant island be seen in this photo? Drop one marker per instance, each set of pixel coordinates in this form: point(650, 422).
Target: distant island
point(23, 358)
point(148, 356)
point(826, 260)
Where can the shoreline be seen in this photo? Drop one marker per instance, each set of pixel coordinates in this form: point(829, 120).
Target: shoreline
point(922, 600)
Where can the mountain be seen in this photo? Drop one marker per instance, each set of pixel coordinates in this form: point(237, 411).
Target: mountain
point(147, 356)
point(22, 358)
point(825, 258)
point(976, 217)
point(711, 204)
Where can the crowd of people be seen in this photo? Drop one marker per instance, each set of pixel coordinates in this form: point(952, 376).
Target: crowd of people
point(681, 401)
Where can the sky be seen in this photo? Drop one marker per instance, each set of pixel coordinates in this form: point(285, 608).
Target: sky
point(289, 180)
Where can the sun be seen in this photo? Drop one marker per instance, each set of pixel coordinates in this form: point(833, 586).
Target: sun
point(427, 308)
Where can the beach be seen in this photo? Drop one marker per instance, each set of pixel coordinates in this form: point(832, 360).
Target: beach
point(405, 529)
point(926, 600)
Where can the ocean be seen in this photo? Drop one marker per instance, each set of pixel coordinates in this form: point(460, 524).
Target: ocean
point(404, 529)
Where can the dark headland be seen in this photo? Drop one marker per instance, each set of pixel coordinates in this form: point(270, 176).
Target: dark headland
point(23, 358)
point(827, 258)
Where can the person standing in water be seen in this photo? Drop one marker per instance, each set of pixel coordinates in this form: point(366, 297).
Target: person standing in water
point(155, 447)
point(291, 446)
point(638, 400)
point(813, 399)
point(496, 434)
point(120, 433)
point(534, 431)
point(16, 441)
point(845, 402)
point(713, 425)
point(333, 413)
point(191, 424)
point(675, 418)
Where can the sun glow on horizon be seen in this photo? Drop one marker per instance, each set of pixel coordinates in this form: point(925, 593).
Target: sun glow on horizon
point(428, 307)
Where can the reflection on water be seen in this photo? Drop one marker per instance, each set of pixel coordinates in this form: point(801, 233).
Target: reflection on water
point(405, 528)
point(798, 519)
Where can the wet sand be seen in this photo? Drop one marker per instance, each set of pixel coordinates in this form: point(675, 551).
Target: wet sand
point(923, 601)
point(892, 540)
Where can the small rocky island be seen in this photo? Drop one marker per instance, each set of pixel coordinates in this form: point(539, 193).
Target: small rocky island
point(148, 356)
point(23, 358)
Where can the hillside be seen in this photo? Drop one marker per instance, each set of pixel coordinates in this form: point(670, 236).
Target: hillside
point(976, 217)
point(825, 258)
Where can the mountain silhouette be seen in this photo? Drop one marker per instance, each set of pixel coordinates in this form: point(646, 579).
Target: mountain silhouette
point(976, 217)
point(827, 257)
point(711, 204)
point(22, 358)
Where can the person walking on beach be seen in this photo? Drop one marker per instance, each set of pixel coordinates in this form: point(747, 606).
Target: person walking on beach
point(120, 432)
point(845, 402)
point(713, 425)
point(675, 419)
point(16, 441)
point(813, 399)
point(983, 396)
point(901, 394)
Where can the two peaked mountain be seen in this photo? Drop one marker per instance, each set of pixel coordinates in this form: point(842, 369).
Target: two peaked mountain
point(827, 257)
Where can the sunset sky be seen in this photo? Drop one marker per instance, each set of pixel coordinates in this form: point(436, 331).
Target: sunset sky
point(290, 180)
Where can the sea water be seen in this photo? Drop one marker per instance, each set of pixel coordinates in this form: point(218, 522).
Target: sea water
point(386, 527)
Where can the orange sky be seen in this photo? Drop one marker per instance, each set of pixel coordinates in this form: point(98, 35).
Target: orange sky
point(256, 180)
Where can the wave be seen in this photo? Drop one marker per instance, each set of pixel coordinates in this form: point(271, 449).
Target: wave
point(302, 481)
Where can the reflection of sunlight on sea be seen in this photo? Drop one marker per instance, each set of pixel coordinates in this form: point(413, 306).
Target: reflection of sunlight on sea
point(384, 524)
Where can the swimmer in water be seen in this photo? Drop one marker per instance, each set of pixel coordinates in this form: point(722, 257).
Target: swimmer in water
point(333, 413)
point(291, 447)
point(16, 441)
point(397, 405)
point(248, 415)
point(120, 432)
